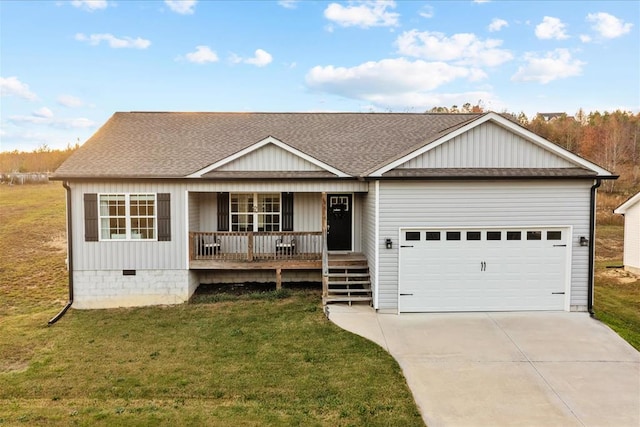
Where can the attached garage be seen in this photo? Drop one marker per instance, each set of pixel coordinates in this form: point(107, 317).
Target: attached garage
point(484, 269)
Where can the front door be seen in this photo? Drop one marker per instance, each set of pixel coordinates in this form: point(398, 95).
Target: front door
point(339, 217)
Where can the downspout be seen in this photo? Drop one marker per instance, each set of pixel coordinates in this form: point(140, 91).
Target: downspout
point(592, 245)
point(57, 317)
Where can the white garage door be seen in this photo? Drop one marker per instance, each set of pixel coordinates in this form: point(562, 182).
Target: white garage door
point(493, 269)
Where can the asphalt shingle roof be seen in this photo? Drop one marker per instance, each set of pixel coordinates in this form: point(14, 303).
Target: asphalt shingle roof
point(175, 145)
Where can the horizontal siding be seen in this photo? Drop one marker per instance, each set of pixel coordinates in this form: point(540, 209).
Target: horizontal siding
point(270, 158)
point(487, 146)
point(369, 232)
point(482, 204)
point(271, 186)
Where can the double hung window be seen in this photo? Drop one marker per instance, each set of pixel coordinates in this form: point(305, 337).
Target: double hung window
point(255, 212)
point(127, 216)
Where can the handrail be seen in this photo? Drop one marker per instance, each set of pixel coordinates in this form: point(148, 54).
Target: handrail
point(325, 266)
point(255, 245)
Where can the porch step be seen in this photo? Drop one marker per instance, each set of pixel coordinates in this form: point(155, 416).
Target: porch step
point(348, 280)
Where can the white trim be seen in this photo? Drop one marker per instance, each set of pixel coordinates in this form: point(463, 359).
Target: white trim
point(569, 240)
point(376, 245)
point(622, 209)
point(127, 217)
point(513, 127)
point(353, 219)
point(260, 144)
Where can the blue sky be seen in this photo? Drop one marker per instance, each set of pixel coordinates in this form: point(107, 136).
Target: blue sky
point(67, 66)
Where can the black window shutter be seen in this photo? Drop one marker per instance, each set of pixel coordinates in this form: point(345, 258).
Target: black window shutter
point(90, 217)
point(223, 211)
point(287, 211)
point(164, 217)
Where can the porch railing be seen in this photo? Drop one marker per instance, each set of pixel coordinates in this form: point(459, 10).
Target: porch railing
point(255, 245)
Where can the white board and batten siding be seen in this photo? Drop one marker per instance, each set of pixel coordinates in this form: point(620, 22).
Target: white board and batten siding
point(631, 211)
point(369, 240)
point(269, 158)
point(482, 204)
point(487, 146)
point(130, 255)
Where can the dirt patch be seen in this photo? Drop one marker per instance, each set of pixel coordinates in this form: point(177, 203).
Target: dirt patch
point(620, 275)
point(58, 242)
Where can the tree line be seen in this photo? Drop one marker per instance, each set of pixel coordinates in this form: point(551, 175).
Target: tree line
point(609, 139)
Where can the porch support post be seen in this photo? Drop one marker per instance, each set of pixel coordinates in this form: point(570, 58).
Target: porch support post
point(325, 255)
point(250, 246)
point(278, 278)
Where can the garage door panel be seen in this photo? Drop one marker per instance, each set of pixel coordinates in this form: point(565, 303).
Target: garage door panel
point(528, 272)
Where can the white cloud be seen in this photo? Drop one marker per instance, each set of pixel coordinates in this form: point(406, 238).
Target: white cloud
point(113, 41)
point(183, 7)
point(260, 59)
point(557, 64)
point(70, 101)
point(584, 38)
point(481, 1)
point(551, 28)
point(90, 5)
point(43, 112)
point(202, 55)
point(11, 86)
point(288, 4)
point(427, 12)
point(497, 24)
point(463, 48)
point(608, 26)
point(363, 14)
point(397, 82)
point(45, 117)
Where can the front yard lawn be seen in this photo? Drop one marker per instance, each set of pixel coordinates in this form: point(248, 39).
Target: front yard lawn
point(273, 360)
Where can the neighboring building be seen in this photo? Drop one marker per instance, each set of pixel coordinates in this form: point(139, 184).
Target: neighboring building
point(631, 211)
point(413, 212)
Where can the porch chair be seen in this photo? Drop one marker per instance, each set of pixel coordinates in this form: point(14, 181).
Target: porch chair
point(209, 245)
point(285, 247)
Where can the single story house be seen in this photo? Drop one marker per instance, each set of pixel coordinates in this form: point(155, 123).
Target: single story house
point(631, 211)
point(412, 212)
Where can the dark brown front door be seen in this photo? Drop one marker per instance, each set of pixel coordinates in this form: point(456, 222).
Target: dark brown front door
point(339, 218)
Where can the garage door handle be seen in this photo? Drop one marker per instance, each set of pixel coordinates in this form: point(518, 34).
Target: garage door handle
point(406, 295)
point(559, 246)
point(406, 246)
point(557, 293)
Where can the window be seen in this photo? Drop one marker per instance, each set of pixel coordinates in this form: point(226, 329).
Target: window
point(412, 235)
point(474, 235)
point(255, 212)
point(127, 216)
point(514, 235)
point(433, 235)
point(494, 235)
point(554, 235)
point(453, 235)
point(534, 235)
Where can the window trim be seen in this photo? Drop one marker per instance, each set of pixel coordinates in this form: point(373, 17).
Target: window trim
point(127, 216)
point(255, 213)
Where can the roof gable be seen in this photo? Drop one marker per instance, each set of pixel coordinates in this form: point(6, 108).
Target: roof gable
point(487, 146)
point(632, 201)
point(490, 141)
point(268, 155)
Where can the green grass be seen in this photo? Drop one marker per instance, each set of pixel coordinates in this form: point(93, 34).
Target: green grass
point(259, 359)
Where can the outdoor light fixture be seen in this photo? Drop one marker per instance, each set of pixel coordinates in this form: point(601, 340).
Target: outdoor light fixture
point(584, 241)
point(388, 243)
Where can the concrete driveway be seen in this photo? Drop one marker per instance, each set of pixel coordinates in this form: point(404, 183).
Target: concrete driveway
point(508, 369)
